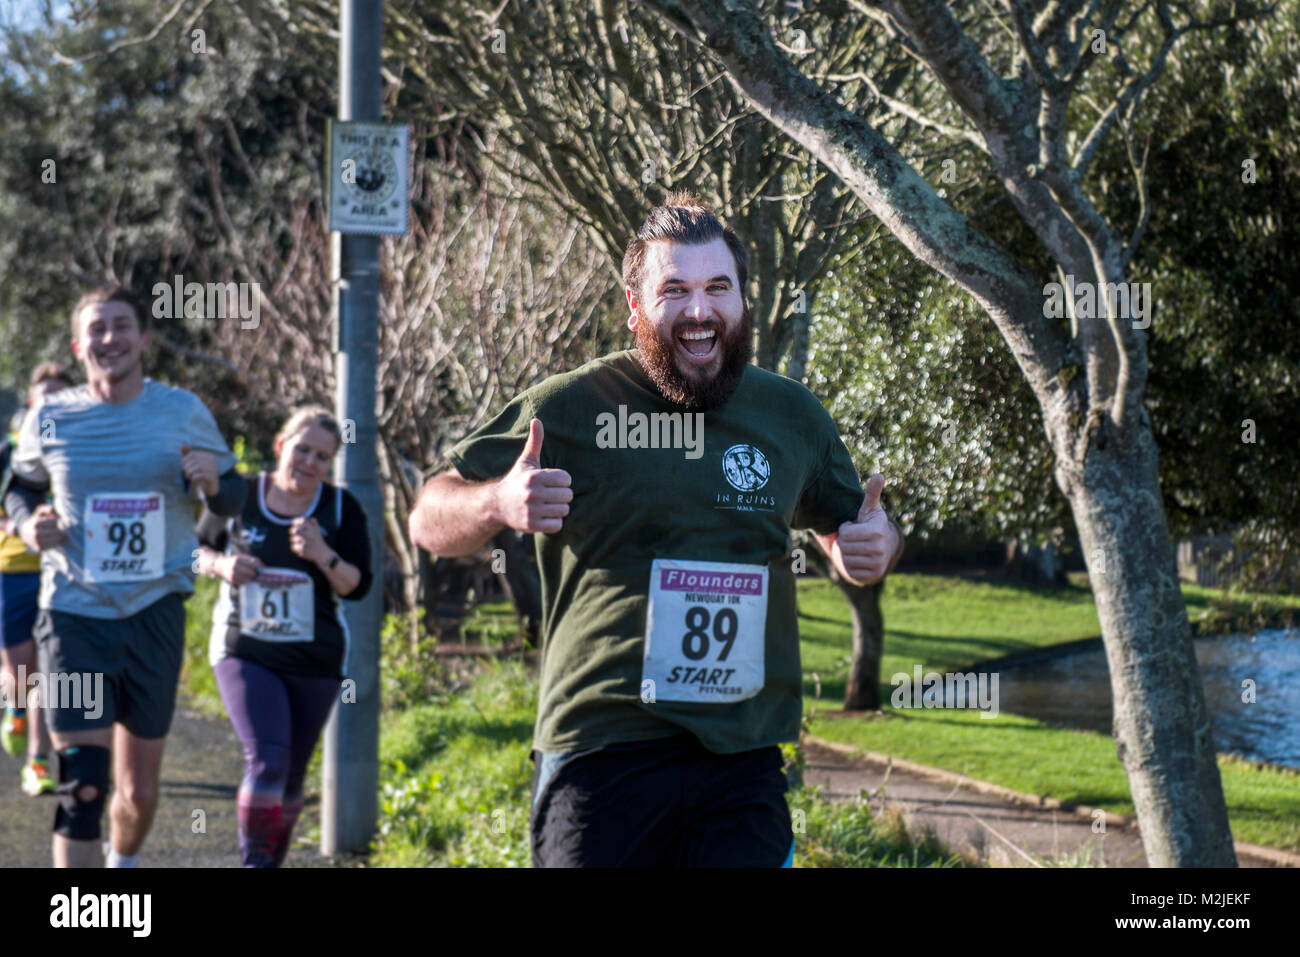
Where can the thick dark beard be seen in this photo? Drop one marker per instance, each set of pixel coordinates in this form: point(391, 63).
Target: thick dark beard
point(657, 360)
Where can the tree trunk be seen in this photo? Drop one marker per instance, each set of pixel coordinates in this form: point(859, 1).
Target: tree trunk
point(1161, 722)
point(862, 693)
point(862, 689)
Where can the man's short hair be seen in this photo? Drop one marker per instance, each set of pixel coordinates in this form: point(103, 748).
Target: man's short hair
point(683, 218)
point(112, 293)
point(48, 371)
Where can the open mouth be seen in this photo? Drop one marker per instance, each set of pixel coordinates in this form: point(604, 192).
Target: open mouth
point(699, 344)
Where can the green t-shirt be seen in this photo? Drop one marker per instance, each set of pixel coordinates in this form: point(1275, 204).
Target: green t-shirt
point(740, 478)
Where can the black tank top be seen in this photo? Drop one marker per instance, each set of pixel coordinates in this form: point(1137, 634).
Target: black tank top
point(266, 634)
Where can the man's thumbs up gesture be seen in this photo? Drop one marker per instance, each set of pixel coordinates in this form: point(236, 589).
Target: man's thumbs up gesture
point(869, 546)
point(530, 498)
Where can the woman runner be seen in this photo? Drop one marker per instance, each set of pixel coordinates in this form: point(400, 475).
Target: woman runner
point(279, 645)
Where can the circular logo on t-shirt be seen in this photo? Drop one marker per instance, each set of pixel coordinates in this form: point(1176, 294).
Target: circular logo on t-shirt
point(745, 467)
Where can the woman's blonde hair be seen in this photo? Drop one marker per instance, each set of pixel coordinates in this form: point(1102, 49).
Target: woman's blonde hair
point(304, 417)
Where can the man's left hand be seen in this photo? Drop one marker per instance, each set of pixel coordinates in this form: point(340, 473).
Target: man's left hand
point(869, 544)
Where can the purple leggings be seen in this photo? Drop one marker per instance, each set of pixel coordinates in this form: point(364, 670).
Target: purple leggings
point(278, 718)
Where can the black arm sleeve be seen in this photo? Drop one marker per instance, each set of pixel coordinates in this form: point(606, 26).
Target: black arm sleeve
point(229, 499)
point(22, 499)
point(211, 531)
point(354, 545)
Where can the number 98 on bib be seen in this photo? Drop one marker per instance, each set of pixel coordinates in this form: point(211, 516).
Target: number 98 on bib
point(125, 536)
point(705, 630)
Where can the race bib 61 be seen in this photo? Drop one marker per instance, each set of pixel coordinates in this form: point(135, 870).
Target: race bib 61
point(278, 605)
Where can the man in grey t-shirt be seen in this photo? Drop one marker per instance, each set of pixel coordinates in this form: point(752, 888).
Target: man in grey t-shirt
point(119, 456)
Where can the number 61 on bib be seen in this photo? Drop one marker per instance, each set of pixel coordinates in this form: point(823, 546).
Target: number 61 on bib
point(705, 630)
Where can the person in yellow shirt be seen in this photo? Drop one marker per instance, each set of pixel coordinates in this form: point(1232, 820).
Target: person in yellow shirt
point(21, 730)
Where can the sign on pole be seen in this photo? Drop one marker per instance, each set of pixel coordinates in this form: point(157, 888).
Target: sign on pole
point(368, 173)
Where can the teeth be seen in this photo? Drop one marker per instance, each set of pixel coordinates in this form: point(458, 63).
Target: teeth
point(709, 334)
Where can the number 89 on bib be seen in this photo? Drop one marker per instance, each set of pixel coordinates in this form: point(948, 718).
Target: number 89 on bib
point(705, 631)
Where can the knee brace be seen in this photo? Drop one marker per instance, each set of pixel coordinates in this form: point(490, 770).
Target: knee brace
point(82, 790)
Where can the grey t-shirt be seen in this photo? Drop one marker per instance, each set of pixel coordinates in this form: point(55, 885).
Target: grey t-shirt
point(114, 470)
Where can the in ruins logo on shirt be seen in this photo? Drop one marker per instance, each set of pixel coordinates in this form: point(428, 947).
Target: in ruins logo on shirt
point(747, 470)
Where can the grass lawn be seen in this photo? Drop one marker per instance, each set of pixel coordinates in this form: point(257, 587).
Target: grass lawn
point(944, 623)
point(949, 624)
point(198, 683)
point(457, 779)
point(456, 776)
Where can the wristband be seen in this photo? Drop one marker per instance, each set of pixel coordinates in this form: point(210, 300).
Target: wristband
point(333, 561)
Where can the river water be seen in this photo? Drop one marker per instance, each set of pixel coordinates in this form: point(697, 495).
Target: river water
point(1074, 690)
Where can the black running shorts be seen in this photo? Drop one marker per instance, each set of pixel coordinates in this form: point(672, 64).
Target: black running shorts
point(106, 670)
point(664, 803)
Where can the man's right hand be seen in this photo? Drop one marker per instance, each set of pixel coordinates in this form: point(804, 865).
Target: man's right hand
point(530, 498)
point(41, 530)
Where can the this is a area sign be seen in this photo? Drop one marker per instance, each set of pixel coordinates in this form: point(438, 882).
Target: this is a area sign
point(367, 168)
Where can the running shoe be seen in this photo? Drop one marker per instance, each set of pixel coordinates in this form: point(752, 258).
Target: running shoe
point(36, 777)
point(13, 733)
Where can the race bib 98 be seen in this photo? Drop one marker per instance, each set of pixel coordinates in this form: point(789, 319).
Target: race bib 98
point(279, 605)
point(126, 535)
point(705, 629)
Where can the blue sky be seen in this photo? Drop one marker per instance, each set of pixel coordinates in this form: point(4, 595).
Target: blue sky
point(28, 13)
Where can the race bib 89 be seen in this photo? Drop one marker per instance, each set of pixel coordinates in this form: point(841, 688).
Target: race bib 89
point(126, 535)
point(705, 631)
point(278, 605)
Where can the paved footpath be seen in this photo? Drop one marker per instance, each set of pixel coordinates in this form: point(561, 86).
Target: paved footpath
point(1003, 828)
point(201, 770)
